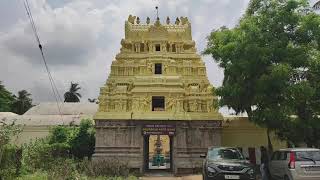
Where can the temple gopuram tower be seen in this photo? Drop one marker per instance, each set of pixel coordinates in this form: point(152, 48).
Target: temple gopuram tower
point(158, 85)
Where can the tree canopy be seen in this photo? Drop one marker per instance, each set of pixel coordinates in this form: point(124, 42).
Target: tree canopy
point(12, 103)
point(271, 62)
point(73, 95)
point(6, 99)
point(22, 102)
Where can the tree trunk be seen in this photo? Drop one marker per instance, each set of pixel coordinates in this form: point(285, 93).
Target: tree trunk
point(270, 147)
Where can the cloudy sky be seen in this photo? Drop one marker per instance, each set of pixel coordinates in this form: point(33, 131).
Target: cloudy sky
point(82, 37)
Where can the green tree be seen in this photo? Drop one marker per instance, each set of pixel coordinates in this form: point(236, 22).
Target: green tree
point(83, 143)
point(271, 68)
point(80, 140)
point(6, 99)
point(22, 103)
point(72, 95)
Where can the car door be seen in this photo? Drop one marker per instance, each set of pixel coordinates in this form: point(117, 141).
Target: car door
point(274, 165)
point(283, 163)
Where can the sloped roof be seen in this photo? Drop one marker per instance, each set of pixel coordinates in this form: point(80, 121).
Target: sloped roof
point(50, 108)
point(46, 120)
point(316, 5)
point(6, 114)
point(47, 114)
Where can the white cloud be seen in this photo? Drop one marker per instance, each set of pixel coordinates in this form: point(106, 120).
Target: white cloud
point(68, 34)
point(82, 37)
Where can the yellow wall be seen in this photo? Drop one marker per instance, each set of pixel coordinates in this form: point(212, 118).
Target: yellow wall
point(239, 132)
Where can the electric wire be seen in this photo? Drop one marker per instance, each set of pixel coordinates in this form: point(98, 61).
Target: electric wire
point(52, 83)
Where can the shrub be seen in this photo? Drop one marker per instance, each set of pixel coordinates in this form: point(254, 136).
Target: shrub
point(82, 145)
point(63, 169)
point(111, 168)
point(37, 155)
point(80, 140)
point(35, 176)
point(11, 162)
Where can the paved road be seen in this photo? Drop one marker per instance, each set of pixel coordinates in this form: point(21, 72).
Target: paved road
point(193, 177)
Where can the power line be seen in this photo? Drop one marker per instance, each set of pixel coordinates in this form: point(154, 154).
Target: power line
point(52, 83)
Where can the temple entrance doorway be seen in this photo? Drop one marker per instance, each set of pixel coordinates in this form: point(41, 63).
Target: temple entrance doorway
point(158, 152)
point(158, 146)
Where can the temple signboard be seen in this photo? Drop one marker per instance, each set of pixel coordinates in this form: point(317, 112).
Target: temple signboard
point(158, 129)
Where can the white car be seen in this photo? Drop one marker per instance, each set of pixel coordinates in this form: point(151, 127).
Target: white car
point(295, 164)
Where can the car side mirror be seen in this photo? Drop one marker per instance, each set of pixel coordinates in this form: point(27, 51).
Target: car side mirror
point(203, 156)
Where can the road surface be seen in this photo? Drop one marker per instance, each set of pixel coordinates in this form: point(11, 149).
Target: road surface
point(193, 177)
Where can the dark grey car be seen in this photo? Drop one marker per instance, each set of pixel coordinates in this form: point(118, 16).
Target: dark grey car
point(226, 163)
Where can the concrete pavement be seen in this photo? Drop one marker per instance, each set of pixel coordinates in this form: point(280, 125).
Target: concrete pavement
point(191, 177)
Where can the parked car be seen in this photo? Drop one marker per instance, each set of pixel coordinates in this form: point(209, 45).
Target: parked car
point(226, 163)
point(295, 164)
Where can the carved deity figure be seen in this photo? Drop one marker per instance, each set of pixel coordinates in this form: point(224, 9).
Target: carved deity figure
point(116, 105)
point(145, 103)
point(123, 104)
point(163, 47)
point(193, 105)
point(179, 105)
point(150, 47)
point(112, 86)
point(135, 104)
point(130, 86)
point(170, 104)
point(210, 106)
point(184, 20)
point(103, 105)
point(166, 68)
point(203, 86)
point(150, 67)
point(131, 19)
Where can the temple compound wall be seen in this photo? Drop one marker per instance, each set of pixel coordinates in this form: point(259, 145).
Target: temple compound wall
point(157, 80)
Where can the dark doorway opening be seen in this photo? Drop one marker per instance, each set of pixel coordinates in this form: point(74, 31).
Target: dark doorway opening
point(158, 103)
point(157, 47)
point(158, 153)
point(158, 68)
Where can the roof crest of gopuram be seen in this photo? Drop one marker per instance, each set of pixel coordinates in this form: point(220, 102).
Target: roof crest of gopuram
point(180, 28)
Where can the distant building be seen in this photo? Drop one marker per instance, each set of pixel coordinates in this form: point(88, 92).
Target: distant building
point(316, 6)
point(37, 121)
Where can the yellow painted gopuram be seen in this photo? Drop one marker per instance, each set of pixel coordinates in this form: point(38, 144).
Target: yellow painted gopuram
point(158, 85)
point(157, 75)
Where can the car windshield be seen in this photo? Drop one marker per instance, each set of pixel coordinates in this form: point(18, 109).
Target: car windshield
point(305, 155)
point(224, 153)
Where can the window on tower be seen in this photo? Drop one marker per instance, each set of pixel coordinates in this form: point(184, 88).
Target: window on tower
point(157, 103)
point(157, 47)
point(158, 68)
